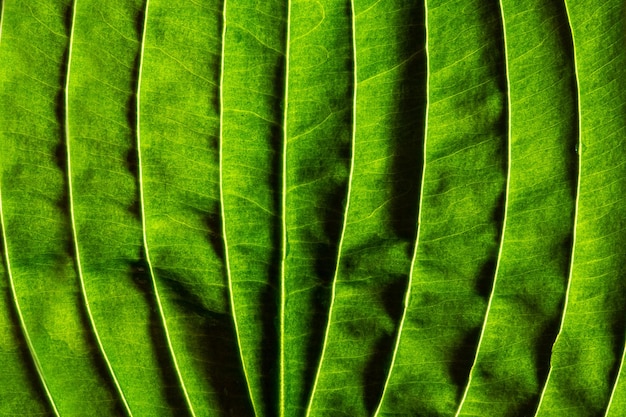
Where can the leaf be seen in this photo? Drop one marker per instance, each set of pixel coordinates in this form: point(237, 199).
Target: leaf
point(253, 87)
point(464, 179)
point(312, 208)
point(36, 215)
point(540, 198)
point(178, 169)
point(318, 178)
point(101, 149)
point(587, 355)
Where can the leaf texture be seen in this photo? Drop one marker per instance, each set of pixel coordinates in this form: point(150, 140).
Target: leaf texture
point(178, 123)
point(22, 370)
point(527, 301)
point(253, 89)
point(312, 208)
point(592, 333)
point(465, 178)
point(381, 221)
point(35, 207)
point(101, 149)
point(319, 130)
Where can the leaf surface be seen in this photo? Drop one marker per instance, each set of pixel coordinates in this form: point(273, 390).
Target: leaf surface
point(318, 130)
point(252, 180)
point(312, 208)
point(527, 301)
point(587, 355)
point(102, 157)
point(35, 207)
point(381, 219)
point(178, 127)
point(27, 395)
point(462, 210)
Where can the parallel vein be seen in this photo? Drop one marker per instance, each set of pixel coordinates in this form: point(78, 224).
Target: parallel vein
point(346, 210)
point(283, 226)
point(223, 213)
point(23, 329)
point(79, 268)
point(576, 205)
point(407, 296)
point(143, 219)
point(506, 209)
point(619, 372)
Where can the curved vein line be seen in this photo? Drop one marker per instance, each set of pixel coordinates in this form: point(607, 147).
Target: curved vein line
point(333, 292)
point(619, 371)
point(506, 210)
point(407, 296)
point(571, 265)
point(223, 213)
point(143, 217)
point(283, 226)
point(16, 304)
point(579, 147)
point(79, 268)
point(22, 322)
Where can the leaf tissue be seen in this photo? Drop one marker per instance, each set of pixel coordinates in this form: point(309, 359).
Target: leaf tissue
point(311, 208)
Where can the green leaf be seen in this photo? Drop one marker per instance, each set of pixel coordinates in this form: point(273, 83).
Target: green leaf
point(251, 180)
point(587, 356)
point(178, 125)
point(312, 208)
point(108, 242)
point(37, 220)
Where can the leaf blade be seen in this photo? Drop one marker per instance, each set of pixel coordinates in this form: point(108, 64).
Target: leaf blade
point(180, 128)
point(163, 319)
point(229, 277)
point(464, 183)
point(103, 192)
point(69, 174)
point(34, 208)
point(35, 404)
point(334, 279)
point(536, 246)
point(380, 225)
point(407, 297)
point(586, 356)
point(252, 160)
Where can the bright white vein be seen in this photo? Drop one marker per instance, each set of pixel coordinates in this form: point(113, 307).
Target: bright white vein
point(345, 214)
point(571, 265)
point(20, 316)
point(619, 372)
point(504, 220)
point(283, 226)
point(223, 212)
point(79, 267)
point(407, 296)
point(143, 220)
point(579, 147)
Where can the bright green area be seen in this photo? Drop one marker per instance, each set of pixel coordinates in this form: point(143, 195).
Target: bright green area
point(178, 127)
point(252, 150)
point(527, 303)
point(38, 226)
point(319, 136)
point(588, 354)
point(381, 220)
point(462, 208)
point(106, 45)
point(299, 208)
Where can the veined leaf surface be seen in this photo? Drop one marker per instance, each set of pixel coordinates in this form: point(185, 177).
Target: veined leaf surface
point(37, 221)
point(312, 208)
